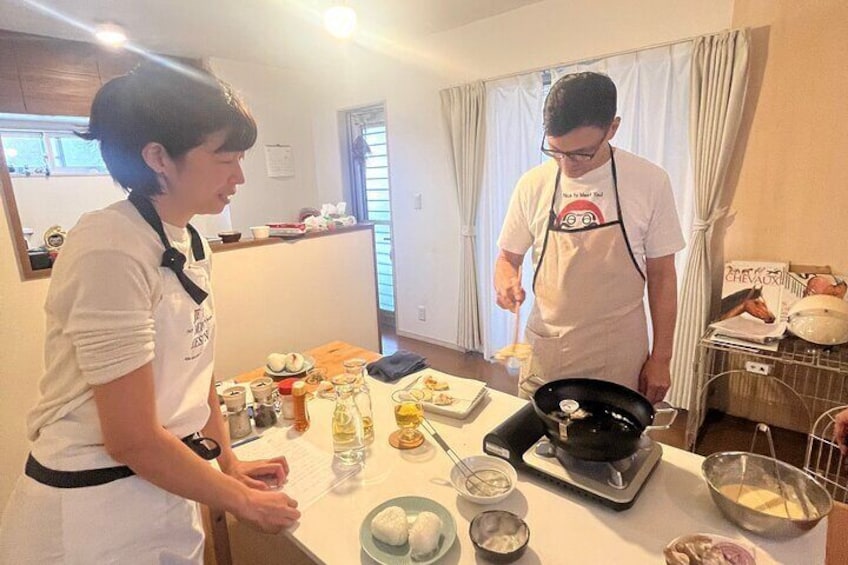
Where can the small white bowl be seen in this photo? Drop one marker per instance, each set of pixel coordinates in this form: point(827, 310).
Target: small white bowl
point(479, 463)
point(260, 232)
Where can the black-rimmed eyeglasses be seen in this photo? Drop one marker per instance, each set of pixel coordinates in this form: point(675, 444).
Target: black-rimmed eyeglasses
point(578, 156)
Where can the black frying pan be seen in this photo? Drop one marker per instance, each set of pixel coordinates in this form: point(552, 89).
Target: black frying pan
point(618, 416)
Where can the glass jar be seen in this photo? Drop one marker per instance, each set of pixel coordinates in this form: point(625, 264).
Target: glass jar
point(238, 419)
point(356, 371)
point(301, 413)
point(264, 402)
point(348, 431)
point(284, 388)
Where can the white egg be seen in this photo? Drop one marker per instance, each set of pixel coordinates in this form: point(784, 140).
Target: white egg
point(276, 362)
point(294, 362)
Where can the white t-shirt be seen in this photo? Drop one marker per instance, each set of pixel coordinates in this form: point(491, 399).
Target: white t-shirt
point(111, 309)
point(644, 191)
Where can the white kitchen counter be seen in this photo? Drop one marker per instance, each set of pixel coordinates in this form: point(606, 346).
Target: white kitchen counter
point(564, 527)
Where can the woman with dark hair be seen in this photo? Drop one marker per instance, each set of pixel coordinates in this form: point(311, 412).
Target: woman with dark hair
point(128, 411)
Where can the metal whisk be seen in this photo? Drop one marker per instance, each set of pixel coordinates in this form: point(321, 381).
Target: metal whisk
point(493, 484)
point(780, 485)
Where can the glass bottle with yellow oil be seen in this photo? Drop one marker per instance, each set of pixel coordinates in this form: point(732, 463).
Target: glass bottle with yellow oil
point(348, 427)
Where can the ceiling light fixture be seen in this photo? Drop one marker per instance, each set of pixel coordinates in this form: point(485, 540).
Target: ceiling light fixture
point(110, 34)
point(340, 21)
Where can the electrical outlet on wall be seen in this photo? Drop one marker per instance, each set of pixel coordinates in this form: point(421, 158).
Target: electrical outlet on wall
point(758, 368)
point(422, 313)
point(418, 201)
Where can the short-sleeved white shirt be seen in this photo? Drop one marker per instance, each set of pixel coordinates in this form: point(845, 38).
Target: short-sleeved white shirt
point(644, 190)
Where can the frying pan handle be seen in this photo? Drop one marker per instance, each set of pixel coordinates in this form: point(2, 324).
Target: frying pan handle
point(672, 411)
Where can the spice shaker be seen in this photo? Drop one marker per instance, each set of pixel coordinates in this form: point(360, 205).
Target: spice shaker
point(235, 399)
point(301, 414)
point(284, 387)
point(264, 411)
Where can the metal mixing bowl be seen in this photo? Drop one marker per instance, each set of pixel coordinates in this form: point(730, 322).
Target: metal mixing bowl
point(728, 468)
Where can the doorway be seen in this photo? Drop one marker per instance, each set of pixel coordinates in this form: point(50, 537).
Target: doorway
point(370, 195)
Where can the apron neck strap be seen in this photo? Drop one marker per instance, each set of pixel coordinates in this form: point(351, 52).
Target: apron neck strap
point(172, 258)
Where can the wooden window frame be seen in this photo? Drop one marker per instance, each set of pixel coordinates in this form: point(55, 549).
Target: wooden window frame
point(13, 218)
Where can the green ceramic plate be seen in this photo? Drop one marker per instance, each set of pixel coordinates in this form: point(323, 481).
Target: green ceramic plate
point(386, 554)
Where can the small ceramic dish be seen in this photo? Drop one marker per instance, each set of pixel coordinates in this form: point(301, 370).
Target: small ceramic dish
point(499, 536)
point(229, 236)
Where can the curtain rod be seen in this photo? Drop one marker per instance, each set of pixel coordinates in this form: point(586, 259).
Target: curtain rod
point(595, 57)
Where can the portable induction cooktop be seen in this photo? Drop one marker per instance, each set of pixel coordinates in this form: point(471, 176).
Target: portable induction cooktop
point(521, 440)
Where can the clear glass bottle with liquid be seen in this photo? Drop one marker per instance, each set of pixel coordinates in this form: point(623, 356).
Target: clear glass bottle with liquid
point(356, 369)
point(348, 429)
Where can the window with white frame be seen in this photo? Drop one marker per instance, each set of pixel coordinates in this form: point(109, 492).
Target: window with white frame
point(44, 146)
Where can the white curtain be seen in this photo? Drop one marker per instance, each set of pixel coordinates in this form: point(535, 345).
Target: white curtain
point(653, 102)
point(463, 108)
point(719, 81)
point(513, 135)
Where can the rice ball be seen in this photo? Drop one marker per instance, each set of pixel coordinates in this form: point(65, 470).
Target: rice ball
point(294, 362)
point(276, 362)
point(390, 526)
point(424, 535)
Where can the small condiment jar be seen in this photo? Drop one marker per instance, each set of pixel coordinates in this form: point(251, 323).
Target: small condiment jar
point(264, 413)
point(301, 414)
point(235, 399)
point(284, 387)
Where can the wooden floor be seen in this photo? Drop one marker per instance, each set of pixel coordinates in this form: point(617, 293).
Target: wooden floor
point(719, 432)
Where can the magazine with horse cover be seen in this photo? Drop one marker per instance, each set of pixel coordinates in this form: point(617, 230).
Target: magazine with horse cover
point(751, 302)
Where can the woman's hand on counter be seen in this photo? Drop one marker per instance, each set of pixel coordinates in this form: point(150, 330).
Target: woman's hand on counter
point(263, 474)
point(268, 511)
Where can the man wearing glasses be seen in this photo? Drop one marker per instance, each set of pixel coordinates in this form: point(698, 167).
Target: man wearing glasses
point(601, 223)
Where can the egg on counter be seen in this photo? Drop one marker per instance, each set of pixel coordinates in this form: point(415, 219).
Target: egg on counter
point(294, 362)
point(276, 362)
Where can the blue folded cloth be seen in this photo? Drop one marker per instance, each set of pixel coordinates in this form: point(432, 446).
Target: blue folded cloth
point(399, 364)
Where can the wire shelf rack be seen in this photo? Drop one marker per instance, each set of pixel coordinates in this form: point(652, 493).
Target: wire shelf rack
point(805, 381)
point(824, 461)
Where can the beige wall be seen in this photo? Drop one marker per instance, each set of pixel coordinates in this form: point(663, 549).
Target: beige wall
point(45, 202)
point(21, 349)
point(790, 200)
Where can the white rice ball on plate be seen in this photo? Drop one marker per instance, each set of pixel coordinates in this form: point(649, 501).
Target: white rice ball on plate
point(276, 362)
point(424, 535)
point(390, 526)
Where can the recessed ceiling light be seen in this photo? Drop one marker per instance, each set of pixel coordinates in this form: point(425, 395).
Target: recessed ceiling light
point(340, 21)
point(110, 34)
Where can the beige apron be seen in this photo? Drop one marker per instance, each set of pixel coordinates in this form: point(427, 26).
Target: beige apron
point(588, 316)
